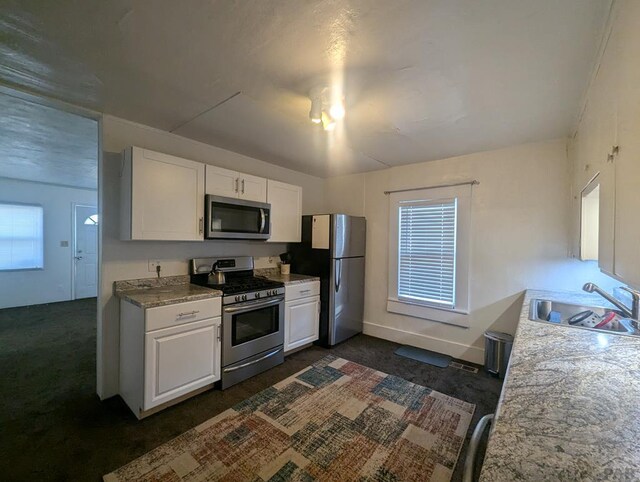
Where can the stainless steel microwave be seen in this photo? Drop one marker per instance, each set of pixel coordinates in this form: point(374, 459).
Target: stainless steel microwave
point(230, 218)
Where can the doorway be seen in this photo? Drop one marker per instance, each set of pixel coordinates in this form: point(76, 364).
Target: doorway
point(85, 251)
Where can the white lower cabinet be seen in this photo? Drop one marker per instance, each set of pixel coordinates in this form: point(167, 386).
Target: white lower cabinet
point(301, 315)
point(181, 359)
point(158, 366)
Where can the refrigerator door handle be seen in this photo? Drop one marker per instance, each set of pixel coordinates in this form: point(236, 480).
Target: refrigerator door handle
point(338, 274)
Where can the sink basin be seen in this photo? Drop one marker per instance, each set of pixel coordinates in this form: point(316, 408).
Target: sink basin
point(541, 310)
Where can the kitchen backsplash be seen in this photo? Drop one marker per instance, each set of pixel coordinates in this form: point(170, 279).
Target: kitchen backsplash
point(264, 262)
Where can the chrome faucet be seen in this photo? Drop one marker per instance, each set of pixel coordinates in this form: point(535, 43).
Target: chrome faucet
point(632, 313)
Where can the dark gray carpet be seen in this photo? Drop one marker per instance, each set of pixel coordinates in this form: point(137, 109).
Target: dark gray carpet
point(55, 428)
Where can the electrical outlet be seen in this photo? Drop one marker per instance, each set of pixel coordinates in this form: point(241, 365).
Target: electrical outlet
point(153, 264)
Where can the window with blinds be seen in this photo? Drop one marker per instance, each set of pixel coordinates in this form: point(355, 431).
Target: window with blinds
point(427, 252)
point(21, 232)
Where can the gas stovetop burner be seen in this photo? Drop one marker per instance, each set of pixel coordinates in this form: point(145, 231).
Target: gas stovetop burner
point(241, 284)
point(245, 285)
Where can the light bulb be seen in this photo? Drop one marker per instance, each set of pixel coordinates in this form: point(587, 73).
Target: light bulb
point(337, 110)
point(328, 123)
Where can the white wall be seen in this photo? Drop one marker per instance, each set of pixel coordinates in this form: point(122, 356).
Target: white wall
point(53, 283)
point(129, 260)
point(520, 239)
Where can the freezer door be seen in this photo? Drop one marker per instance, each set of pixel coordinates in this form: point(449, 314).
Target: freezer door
point(346, 299)
point(348, 236)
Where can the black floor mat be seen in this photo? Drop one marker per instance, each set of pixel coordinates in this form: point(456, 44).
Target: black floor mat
point(424, 356)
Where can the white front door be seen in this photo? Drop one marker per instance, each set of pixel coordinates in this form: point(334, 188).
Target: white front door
point(85, 251)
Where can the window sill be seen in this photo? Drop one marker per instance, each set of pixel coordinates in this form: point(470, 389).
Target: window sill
point(455, 317)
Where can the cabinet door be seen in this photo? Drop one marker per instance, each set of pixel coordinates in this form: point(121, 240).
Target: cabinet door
point(606, 218)
point(222, 182)
point(167, 197)
point(180, 360)
point(286, 212)
point(301, 322)
point(627, 195)
point(253, 188)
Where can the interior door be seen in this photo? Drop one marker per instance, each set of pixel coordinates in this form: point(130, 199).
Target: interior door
point(85, 251)
point(346, 291)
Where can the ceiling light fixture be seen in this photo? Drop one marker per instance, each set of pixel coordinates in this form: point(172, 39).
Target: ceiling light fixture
point(315, 114)
point(322, 111)
point(328, 123)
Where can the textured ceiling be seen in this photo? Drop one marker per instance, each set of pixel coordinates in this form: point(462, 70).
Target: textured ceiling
point(38, 143)
point(422, 79)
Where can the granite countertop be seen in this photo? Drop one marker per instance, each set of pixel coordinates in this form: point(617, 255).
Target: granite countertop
point(570, 403)
point(288, 279)
point(153, 292)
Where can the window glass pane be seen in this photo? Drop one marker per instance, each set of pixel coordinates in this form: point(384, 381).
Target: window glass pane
point(21, 245)
point(427, 252)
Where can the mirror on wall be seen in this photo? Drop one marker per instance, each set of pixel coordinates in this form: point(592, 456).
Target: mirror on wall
point(589, 220)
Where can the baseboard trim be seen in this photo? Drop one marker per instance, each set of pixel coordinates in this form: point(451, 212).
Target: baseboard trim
point(468, 353)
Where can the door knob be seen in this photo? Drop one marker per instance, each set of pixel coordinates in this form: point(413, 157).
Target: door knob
point(78, 257)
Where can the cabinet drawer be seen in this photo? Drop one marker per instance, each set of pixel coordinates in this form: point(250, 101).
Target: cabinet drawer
point(173, 315)
point(302, 290)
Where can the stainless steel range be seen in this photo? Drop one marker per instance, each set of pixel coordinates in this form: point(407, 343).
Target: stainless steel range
point(252, 317)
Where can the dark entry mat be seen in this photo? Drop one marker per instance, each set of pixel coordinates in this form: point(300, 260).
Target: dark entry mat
point(425, 356)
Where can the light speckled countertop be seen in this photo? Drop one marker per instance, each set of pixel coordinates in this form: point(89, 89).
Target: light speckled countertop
point(288, 279)
point(570, 403)
point(153, 292)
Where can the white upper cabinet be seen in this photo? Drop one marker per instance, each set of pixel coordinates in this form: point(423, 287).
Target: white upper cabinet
point(627, 162)
point(228, 183)
point(286, 212)
point(252, 188)
point(162, 197)
point(607, 144)
point(221, 182)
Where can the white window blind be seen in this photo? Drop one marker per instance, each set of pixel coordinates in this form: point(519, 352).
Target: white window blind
point(21, 244)
point(427, 252)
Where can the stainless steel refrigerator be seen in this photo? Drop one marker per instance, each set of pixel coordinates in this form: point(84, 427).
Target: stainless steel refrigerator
point(333, 248)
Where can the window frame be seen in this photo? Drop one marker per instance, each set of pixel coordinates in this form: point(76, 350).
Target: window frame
point(459, 313)
point(41, 207)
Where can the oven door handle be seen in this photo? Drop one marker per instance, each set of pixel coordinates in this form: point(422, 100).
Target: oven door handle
point(252, 305)
point(253, 362)
point(263, 220)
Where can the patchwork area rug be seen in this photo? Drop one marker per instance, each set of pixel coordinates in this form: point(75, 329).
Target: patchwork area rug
point(333, 421)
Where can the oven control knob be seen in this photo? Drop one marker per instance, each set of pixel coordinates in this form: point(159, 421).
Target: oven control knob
point(244, 297)
point(257, 295)
point(237, 298)
point(268, 293)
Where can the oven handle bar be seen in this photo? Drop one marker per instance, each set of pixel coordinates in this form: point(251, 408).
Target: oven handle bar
point(252, 305)
point(253, 362)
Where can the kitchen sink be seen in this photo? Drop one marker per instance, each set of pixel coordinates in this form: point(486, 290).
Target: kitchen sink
point(558, 313)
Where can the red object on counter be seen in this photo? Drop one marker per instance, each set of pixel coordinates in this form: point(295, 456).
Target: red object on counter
point(606, 320)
